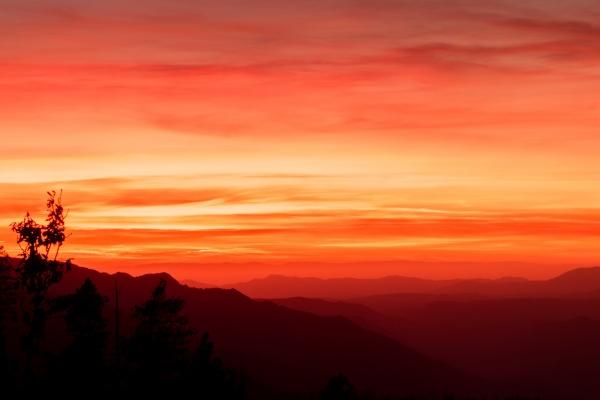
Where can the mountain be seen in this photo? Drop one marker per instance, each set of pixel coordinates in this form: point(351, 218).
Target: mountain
point(279, 286)
point(328, 308)
point(578, 280)
point(513, 332)
point(196, 284)
point(401, 305)
point(358, 313)
point(283, 351)
point(582, 281)
point(517, 343)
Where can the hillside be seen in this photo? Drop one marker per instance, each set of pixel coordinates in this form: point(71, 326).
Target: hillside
point(283, 350)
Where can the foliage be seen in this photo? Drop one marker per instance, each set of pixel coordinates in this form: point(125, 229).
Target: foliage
point(160, 342)
point(339, 388)
point(86, 325)
point(158, 356)
point(8, 300)
point(207, 374)
point(37, 270)
point(83, 359)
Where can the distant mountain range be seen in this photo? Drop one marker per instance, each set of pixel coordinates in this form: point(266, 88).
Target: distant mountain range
point(538, 338)
point(576, 282)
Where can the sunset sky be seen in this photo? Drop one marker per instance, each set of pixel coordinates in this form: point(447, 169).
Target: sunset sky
point(303, 132)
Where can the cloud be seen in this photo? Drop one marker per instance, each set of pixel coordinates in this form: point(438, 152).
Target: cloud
point(568, 28)
point(332, 122)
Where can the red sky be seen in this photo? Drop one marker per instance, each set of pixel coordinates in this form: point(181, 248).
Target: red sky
point(307, 131)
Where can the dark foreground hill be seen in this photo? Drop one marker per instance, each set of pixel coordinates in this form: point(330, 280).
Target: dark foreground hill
point(284, 352)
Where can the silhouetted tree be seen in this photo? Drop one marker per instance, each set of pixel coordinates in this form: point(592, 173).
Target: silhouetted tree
point(117, 336)
point(8, 293)
point(87, 327)
point(160, 343)
point(208, 377)
point(339, 388)
point(38, 269)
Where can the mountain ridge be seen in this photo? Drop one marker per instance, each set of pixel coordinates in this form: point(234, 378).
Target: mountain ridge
point(575, 281)
point(292, 351)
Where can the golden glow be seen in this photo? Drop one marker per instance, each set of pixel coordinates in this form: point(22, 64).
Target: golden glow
point(344, 132)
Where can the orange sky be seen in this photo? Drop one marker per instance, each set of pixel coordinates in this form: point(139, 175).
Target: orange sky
point(307, 131)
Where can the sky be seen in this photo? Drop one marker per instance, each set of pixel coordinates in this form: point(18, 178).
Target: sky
point(459, 137)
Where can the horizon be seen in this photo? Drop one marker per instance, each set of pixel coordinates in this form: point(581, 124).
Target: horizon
point(461, 142)
point(240, 273)
point(237, 272)
point(229, 283)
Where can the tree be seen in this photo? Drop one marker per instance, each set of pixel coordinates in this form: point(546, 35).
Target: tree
point(87, 327)
point(208, 377)
point(339, 388)
point(83, 358)
point(38, 269)
point(159, 345)
point(8, 299)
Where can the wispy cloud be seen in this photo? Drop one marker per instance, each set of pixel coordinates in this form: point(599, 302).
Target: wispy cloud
point(330, 130)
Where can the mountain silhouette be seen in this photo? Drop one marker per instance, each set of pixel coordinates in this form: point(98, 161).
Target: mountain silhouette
point(196, 284)
point(515, 343)
point(328, 308)
point(513, 333)
point(279, 286)
point(582, 281)
point(578, 280)
point(283, 351)
point(358, 313)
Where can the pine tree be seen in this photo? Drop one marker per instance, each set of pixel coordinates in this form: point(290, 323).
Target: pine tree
point(210, 378)
point(87, 327)
point(338, 388)
point(8, 299)
point(83, 358)
point(159, 345)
